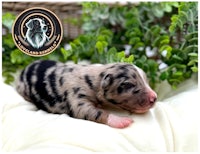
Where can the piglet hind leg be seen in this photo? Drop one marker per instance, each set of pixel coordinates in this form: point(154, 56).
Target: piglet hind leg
point(118, 122)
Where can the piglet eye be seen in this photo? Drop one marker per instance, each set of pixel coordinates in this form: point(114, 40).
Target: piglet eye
point(136, 91)
point(124, 87)
point(127, 85)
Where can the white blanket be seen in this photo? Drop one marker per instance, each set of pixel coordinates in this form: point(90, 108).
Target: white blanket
point(171, 126)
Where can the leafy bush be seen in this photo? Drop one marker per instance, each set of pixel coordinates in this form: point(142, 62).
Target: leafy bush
point(146, 34)
point(168, 31)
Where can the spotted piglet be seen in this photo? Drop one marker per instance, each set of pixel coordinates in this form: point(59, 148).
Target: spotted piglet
point(81, 91)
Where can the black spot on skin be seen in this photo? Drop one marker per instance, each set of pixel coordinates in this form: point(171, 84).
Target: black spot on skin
point(122, 75)
point(125, 87)
point(65, 96)
point(86, 117)
point(40, 84)
point(52, 82)
point(99, 113)
point(107, 81)
point(81, 95)
point(113, 66)
point(119, 90)
point(28, 78)
point(52, 102)
point(76, 89)
point(22, 76)
point(124, 67)
point(80, 104)
point(25, 92)
point(105, 92)
point(113, 101)
point(136, 91)
point(88, 81)
point(98, 101)
point(62, 107)
point(71, 69)
point(134, 76)
point(67, 69)
point(70, 111)
point(133, 68)
point(61, 81)
point(102, 74)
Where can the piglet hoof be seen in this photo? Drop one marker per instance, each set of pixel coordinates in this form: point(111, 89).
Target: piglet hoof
point(118, 122)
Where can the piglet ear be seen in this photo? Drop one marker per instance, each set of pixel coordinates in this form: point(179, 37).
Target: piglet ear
point(107, 81)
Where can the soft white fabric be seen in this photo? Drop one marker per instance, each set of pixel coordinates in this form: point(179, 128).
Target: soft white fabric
point(172, 125)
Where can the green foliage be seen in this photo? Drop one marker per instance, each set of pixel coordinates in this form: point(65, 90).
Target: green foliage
point(187, 15)
point(95, 47)
point(7, 20)
point(156, 33)
point(168, 28)
point(184, 59)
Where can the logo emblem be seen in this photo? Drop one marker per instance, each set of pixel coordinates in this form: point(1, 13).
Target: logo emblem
point(37, 31)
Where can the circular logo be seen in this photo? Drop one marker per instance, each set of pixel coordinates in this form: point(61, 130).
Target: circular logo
point(37, 31)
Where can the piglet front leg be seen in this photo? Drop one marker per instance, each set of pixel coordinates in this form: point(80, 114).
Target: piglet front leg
point(86, 110)
point(118, 122)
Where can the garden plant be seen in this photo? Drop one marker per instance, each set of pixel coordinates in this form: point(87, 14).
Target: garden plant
point(161, 38)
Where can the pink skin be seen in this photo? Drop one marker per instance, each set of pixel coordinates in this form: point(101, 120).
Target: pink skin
point(152, 95)
point(118, 122)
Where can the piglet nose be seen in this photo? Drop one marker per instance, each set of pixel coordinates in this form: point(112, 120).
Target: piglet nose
point(153, 97)
point(153, 100)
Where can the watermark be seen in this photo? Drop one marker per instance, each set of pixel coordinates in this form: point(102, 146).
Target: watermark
point(37, 31)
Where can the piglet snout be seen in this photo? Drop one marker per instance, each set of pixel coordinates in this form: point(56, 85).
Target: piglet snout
point(152, 97)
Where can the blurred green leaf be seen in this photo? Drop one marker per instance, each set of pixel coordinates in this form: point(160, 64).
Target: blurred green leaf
point(164, 75)
point(8, 19)
point(194, 69)
point(192, 62)
point(66, 53)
